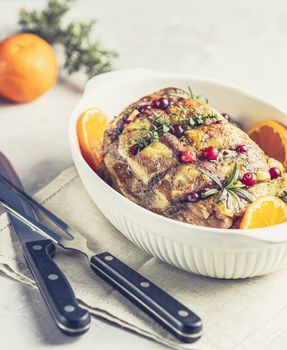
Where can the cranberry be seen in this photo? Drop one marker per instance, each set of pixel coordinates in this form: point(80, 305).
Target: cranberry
point(241, 148)
point(181, 99)
point(219, 122)
point(249, 179)
point(133, 150)
point(210, 153)
point(193, 197)
point(274, 173)
point(137, 116)
point(160, 103)
point(226, 116)
point(177, 130)
point(187, 156)
point(127, 122)
point(143, 108)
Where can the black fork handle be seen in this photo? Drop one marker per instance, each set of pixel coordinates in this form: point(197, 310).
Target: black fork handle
point(70, 318)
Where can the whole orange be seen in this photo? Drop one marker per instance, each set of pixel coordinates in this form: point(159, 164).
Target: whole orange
point(28, 67)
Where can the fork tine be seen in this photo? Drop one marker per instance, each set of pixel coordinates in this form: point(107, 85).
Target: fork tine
point(48, 214)
point(34, 224)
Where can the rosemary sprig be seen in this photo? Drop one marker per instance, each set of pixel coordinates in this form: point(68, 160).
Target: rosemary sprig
point(233, 177)
point(196, 97)
point(81, 52)
point(232, 192)
point(191, 94)
point(212, 177)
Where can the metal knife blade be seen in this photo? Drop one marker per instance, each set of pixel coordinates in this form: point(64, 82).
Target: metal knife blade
point(8, 172)
point(23, 232)
point(55, 289)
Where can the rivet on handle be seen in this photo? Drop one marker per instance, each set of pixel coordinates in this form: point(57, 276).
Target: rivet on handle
point(183, 313)
point(145, 284)
point(109, 258)
point(53, 277)
point(69, 308)
point(37, 247)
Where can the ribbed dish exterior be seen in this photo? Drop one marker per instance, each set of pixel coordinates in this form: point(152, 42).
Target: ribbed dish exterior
point(210, 262)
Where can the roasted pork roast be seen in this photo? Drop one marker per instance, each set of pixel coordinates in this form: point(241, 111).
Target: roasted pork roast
point(173, 154)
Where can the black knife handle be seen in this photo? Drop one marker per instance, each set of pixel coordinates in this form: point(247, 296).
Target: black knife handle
point(55, 288)
point(163, 308)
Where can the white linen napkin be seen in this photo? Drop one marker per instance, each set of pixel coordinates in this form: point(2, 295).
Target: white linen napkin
point(237, 314)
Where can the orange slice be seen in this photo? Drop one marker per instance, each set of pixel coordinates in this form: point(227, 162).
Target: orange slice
point(271, 137)
point(91, 127)
point(265, 211)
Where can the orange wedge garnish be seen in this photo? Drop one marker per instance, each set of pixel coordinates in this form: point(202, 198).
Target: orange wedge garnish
point(91, 126)
point(271, 137)
point(265, 211)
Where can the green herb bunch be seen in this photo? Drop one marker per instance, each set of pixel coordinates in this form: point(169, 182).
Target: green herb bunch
point(195, 117)
point(231, 192)
point(81, 52)
point(159, 126)
point(187, 117)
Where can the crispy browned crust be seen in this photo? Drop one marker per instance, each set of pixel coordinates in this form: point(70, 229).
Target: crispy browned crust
point(157, 180)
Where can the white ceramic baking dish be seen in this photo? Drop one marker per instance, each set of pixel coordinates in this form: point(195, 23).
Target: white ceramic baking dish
point(206, 251)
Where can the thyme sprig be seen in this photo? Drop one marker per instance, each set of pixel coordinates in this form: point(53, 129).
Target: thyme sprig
point(233, 190)
point(191, 94)
point(195, 116)
point(151, 136)
point(160, 125)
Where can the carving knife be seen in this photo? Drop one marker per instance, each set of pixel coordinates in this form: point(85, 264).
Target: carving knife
point(70, 318)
